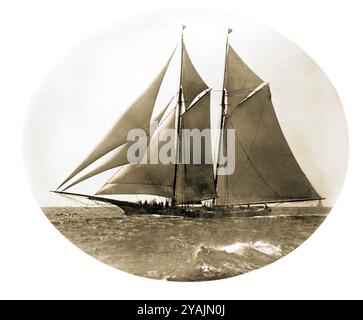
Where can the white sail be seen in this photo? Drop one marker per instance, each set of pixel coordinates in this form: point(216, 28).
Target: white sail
point(117, 157)
point(266, 169)
point(145, 177)
point(240, 80)
point(138, 115)
point(191, 81)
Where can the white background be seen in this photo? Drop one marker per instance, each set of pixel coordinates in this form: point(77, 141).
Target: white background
point(37, 262)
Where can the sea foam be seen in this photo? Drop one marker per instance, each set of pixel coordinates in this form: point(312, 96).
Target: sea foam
point(240, 248)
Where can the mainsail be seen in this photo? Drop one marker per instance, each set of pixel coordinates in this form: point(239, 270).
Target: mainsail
point(266, 169)
point(138, 115)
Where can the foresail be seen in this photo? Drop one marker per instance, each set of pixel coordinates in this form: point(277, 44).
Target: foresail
point(266, 169)
point(117, 157)
point(192, 82)
point(145, 177)
point(140, 179)
point(240, 80)
point(138, 115)
point(195, 181)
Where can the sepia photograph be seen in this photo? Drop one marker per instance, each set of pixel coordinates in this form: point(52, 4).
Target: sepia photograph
point(186, 145)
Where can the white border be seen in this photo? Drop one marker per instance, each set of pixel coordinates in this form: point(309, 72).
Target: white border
point(37, 262)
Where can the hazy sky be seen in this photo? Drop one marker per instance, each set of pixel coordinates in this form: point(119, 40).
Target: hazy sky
point(97, 80)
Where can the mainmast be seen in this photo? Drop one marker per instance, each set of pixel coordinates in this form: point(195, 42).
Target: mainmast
point(180, 105)
point(223, 110)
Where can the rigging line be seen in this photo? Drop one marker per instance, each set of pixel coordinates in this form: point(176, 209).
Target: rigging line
point(254, 167)
point(73, 199)
point(166, 115)
point(277, 205)
point(145, 184)
point(250, 95)
point(84, 203)
point(110, 208)
point(98, 203)
point(196, 101)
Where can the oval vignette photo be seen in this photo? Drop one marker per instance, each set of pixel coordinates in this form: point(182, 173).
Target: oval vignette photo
point(186, 146)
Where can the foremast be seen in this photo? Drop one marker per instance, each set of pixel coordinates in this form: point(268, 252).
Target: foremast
point(180, 105)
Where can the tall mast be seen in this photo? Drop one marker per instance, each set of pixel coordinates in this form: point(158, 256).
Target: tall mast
point(180, 104)
point(223, 110)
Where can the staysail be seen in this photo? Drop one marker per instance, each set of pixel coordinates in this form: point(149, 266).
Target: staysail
point(266, 169)
point(145, 177)
point(118, 156)
point(240, 80)
point(195, 180)
point(138, 115)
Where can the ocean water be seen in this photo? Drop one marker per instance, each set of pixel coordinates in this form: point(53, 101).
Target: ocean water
point(186, 249)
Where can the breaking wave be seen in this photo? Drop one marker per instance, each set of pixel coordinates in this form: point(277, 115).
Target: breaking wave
point(261, 246)
point(240, 248)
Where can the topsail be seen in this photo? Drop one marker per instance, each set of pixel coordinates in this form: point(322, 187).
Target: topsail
point(240, 80)
point(192, 83)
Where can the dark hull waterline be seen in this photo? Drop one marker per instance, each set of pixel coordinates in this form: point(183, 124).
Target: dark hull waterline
point(132, 208)
point(194, 211)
